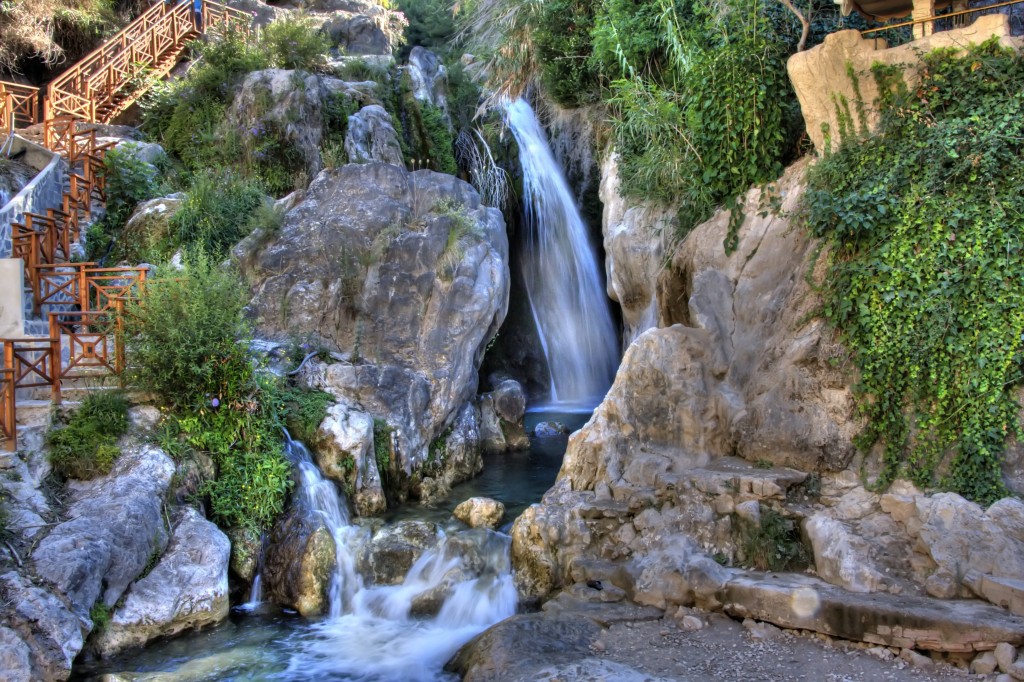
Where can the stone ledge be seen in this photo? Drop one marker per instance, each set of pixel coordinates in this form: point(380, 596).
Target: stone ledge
point(803, 602)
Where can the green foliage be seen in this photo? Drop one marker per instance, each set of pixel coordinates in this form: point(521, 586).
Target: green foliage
point(296, 41)
point(304, 410)
point(382, 446)
point(628, 35)
point(184, 335)
point(356, 69)
point(86, 446)
point(337, 109)
point(129, 181)
point(563, 48)
point(217, 212)
point(708, 125)
point(774, 544)
point(99, 614)
point(923, 223)
point(463, 231)
point(431, 24)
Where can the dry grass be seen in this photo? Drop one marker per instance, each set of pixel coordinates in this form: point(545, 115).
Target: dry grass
point(50, 30)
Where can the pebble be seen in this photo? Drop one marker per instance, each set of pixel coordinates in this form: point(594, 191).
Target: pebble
point(691, 623)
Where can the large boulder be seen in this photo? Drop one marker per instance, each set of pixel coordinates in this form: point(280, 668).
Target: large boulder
point(454, 457)
point(480, 512)
point(371, 137)
point(188, 588)
point(407, 274)
point(501, 417)
point(300, 560)
point(389, 555)
point(361, 27)
point(428, 78)
point(115, 525)
point(41, 635)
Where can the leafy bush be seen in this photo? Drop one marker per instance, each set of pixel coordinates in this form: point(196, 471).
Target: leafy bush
point(129, 181)
point(923, 221)
point(431, 24)
point(218, 211)
point(184, 336)
point(304, 410)
point(87, 446)
point(563, 46)
point(773, 544)
point(296, 41)
point(188, 344)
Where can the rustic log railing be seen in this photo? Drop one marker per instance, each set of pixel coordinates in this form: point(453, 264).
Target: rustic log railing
point(8, 418)
point(92, 340)
point(19, 106)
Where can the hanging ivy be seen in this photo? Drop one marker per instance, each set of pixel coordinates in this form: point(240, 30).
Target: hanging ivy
point(925, 223)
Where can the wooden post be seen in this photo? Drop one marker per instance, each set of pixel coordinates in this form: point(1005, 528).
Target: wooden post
point(55, 359)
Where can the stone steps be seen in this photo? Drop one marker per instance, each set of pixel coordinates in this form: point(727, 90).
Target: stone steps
point(801, 602)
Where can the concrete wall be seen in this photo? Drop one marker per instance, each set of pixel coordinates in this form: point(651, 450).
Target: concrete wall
point(12, 315)
point(43, 192)
point(819, 75)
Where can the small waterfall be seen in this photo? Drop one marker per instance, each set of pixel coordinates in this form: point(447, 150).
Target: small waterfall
point(563, 282)
point(375, 633)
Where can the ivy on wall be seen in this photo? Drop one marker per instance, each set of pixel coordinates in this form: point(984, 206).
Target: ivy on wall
point(925, 227)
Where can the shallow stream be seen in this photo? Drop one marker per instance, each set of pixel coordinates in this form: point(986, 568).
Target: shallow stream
point(371, 637)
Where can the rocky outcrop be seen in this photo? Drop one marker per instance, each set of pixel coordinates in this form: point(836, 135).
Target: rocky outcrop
point(345, 452)
point(292, 103)
point(361, 27)
point(115, 525)
point(389, 555)
point(501, 417)
point(371, 137)
point(821, 76)
point(188, 588)
point(300, 559)
point(407, 274)
point(453, 457)
point(41, 634)
point(480, 512)
point(150, 223)
point(429, 79)
point(635, 239)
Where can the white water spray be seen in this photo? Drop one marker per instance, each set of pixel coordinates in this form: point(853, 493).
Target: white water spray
point(560, 268)
point(375, 633)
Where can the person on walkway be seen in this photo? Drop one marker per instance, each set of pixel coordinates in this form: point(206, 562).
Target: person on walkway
point(197, 6)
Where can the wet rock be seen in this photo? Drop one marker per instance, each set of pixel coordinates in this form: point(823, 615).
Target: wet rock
point(524, 644)
point(414, 314)
point(389, 555)
point(115, 526)
point(454, 458)
point(246, 546)
point(188, 588)
point(371, 137)
point(299, 562)
point(550, 429)
point(344, 451)
point(501, 418)
point(480, 512)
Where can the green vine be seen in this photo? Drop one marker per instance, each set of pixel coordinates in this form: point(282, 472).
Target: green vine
point(924, 225)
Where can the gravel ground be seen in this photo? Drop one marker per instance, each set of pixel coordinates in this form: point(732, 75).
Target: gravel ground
point(725, 649)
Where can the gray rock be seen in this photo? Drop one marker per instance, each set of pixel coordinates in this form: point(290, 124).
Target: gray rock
point(43, 624)
point(501, 418)
point(115, 526)
point(455, 459)
point(550, 429)
point(841, 557)
point(246, 546)
point(366, 29)
point(429, 79)
point(364, 263)
point(1005, 654)
point(345, 452)
point(371, 137)
point(188, 588)
point(389, 555)
point(15, 657)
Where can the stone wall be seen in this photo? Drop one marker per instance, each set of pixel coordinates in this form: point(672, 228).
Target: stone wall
point(821, 79)
point(44, 191)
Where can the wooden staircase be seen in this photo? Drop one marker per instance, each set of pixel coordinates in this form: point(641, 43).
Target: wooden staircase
point(84, 302)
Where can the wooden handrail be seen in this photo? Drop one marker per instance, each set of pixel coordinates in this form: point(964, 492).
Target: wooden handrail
point(19, 106)
point(936, 17)
point(8, 418)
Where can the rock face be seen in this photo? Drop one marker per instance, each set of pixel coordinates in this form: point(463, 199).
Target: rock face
point(41, 635)
point(115, 525)
point(387, 558)
point(361, 27)
point(429, 78)
point(371, 137)
point(634, 245)
point(406, 273)
point(293, 103)
point(480, 512)
point(188, 588)
point(300, 559)
point(453, 457)
point(820, 74)
point(345, 453)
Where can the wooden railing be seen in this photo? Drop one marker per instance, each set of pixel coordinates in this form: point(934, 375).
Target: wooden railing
point(92, 340)
point(8, 418)
point(923, 26)
point(19, 105)
point(35, 363)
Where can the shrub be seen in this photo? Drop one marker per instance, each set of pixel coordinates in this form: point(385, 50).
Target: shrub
point(184, 336)
point(563, 45)
point(296, 41)
point(923, 221)
point(773, 544)
point(129, 181)
point(87, 446)
point(218, 211)
point(303, 411)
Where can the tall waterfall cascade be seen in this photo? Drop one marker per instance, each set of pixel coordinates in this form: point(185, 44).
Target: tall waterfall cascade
point(561, 271)
point(372, 632)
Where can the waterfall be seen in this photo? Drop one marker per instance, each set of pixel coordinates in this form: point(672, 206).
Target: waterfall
point(563, 281)
point(373, 632)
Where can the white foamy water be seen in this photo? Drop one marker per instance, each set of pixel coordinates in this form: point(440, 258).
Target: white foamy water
point(561, 271)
